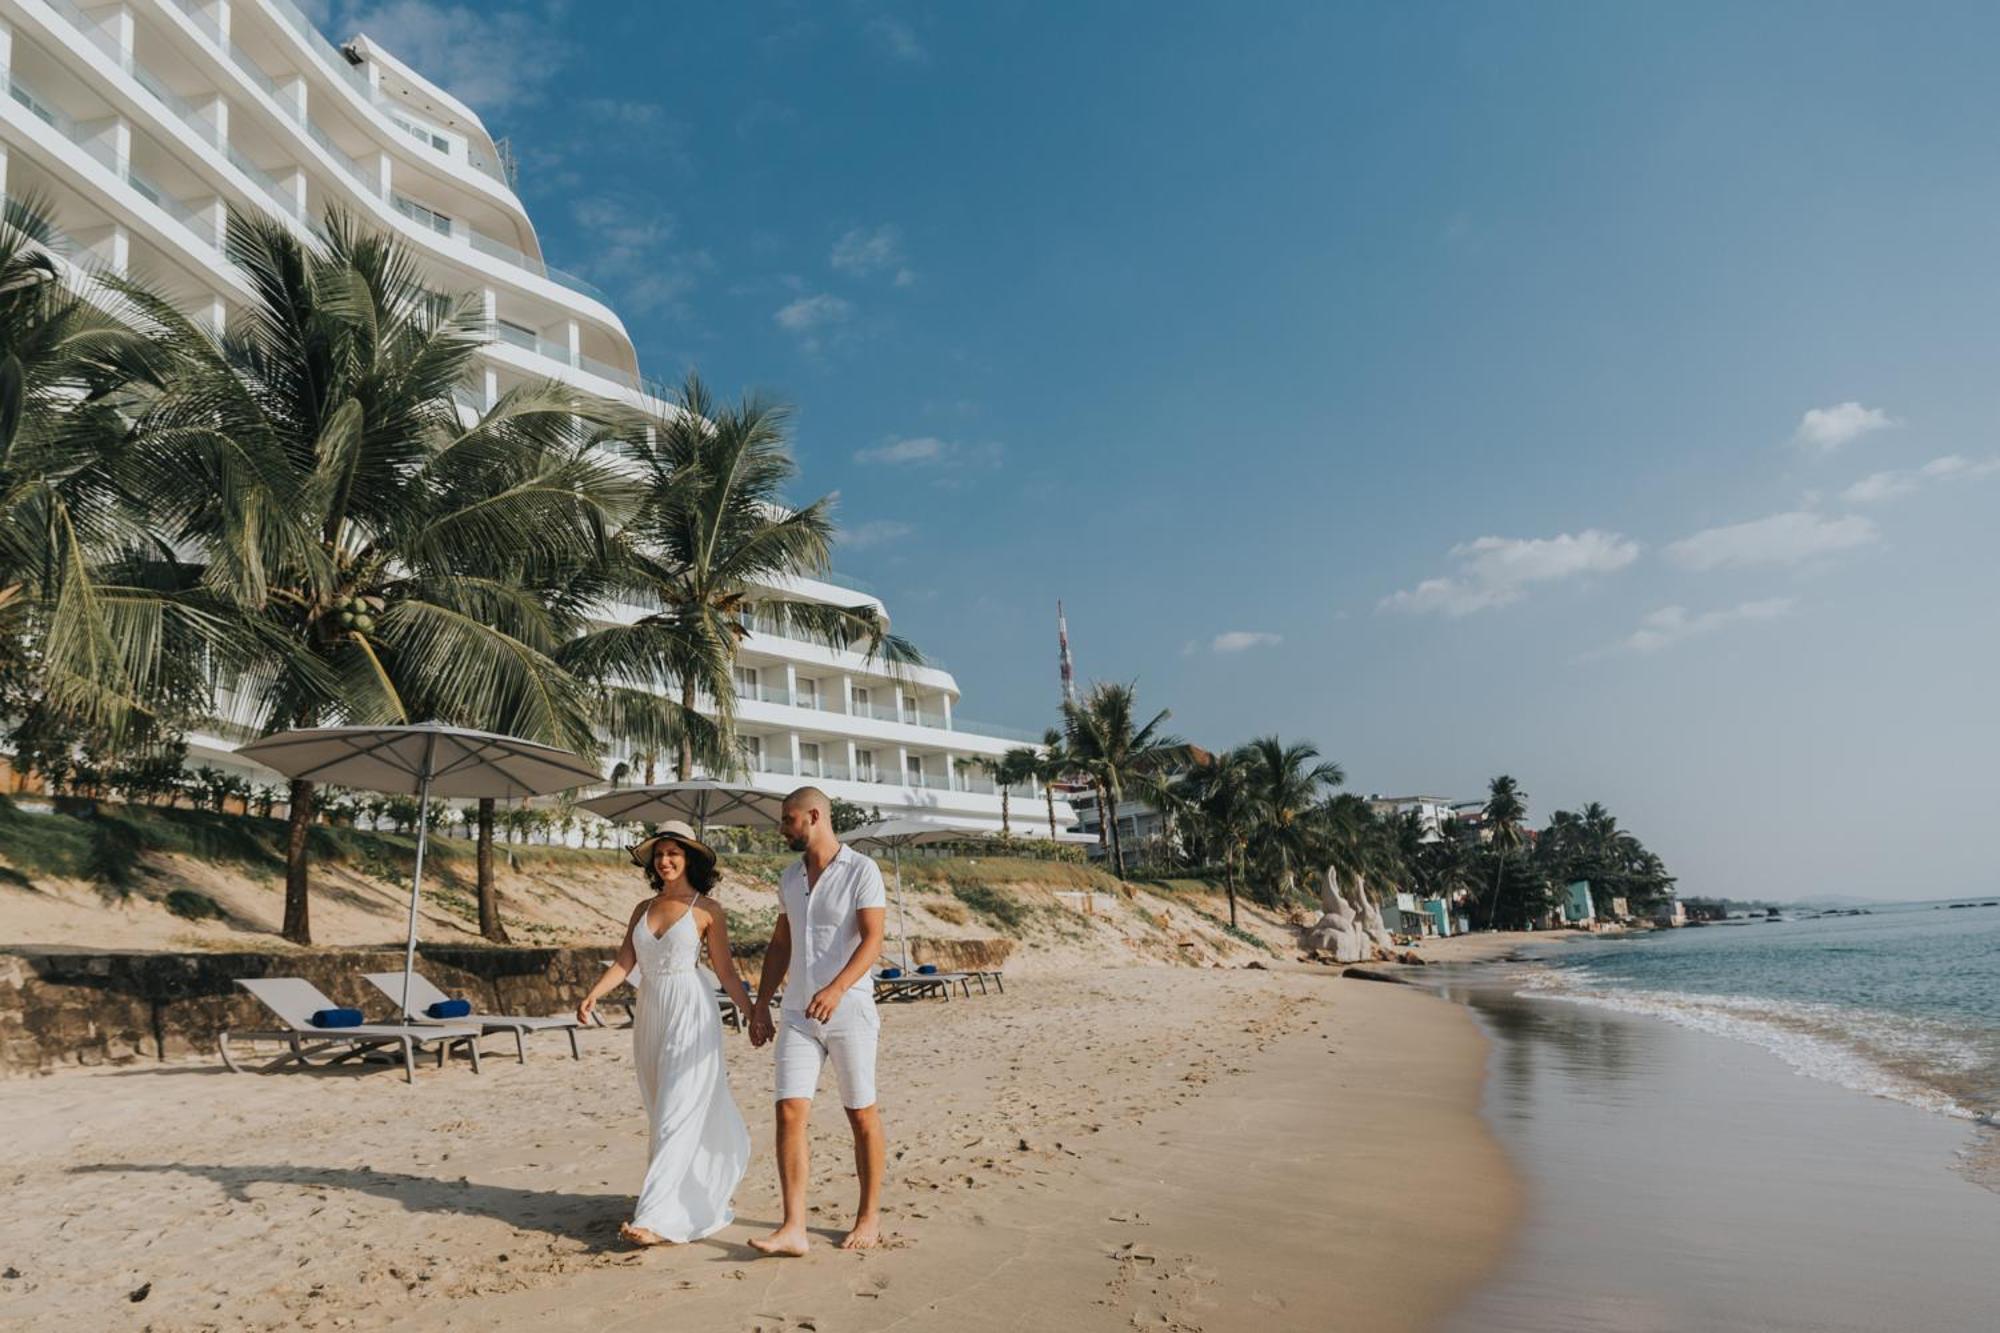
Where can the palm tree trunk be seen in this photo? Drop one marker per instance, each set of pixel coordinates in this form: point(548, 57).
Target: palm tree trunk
point(649, 768)
point(1117, 841)
point(684, 766)
point(490, 924)
point(1229, 884)
point(1006, 829)
point(1050, 793)
point(298, 826)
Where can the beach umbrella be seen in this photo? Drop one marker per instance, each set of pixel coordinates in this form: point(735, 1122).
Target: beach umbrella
point(700, 803)
point(423, 760)
point(893, 835)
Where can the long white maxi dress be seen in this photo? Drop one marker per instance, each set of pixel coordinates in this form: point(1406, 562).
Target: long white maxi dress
point(699, 1144)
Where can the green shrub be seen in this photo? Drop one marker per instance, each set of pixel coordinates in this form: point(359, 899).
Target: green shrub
point(193, 906)
point(1009, 913)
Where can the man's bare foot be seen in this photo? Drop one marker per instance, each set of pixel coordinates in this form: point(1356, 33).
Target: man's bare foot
point(641, 1236)
point(785, 1242)
point(867, 1234)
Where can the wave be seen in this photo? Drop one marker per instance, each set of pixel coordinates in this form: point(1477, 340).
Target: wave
point(1920, 1062)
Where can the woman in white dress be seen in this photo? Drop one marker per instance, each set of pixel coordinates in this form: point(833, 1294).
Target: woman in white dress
point(699, 1146)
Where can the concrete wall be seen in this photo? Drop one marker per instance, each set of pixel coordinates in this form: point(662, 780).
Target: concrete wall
point(93, 1009)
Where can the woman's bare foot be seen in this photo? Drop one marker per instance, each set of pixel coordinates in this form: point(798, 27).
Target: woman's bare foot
point(641, 1236)
point(785, 1242)
point(867, 1234)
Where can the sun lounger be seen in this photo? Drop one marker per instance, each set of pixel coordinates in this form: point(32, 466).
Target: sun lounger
point(423, 995)
point(295, 1000)
point(911, 986)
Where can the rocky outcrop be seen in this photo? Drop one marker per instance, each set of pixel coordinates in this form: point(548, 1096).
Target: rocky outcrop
point(1350, 928)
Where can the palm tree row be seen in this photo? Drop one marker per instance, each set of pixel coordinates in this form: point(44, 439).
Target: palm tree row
point(1269, 815)
point(296, 517)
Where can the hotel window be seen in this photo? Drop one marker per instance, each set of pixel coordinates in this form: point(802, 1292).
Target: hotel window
point(753, 751)
point(910, 707)
point(746, 682)
point(913, 769)
point(861, 701)
point(864, 765)
point(809, 759)
point(422, 216)
point(808, 693)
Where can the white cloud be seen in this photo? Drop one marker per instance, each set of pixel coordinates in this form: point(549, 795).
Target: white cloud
point(1673, 624)
point(899, 39)
point(865, 250)
point(876, 532)
point(1782, 539)
point(632, 255)
point(811, 316)
point(930, 451)
point(488, 58)
point(1494, 571)
point(1827, 428)
point(1879, 486)
point(1957, 467)
point(1243, 640)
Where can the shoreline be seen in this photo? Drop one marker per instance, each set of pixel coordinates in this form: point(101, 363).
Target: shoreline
point(1749, 1170)
point(1197, 1149)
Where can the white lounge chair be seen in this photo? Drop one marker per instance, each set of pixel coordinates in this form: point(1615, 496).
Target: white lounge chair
point(423, 995)
point(295, 1000)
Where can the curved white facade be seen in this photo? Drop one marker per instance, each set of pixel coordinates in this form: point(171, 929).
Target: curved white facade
point(144, 123)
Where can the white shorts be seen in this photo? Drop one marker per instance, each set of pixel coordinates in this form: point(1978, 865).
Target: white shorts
point(804, 1046)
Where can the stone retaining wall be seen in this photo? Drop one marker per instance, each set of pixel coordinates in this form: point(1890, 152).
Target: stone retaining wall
point(92, 1009)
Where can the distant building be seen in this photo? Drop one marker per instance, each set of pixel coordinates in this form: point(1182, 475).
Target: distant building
point(1669, 912)
point(1431, 811)
point(1577, 909)
point(1141, 827)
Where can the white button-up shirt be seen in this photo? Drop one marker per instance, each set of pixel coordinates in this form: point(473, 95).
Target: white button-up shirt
point(826, 926)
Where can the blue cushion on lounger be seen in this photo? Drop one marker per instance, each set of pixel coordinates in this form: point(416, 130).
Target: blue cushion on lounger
point(337, 1018)
point(891, 973)
point(449, 1009)
point(927, 970)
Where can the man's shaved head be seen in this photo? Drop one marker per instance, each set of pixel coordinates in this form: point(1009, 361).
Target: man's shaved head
point(807, 818)
point(809, 798)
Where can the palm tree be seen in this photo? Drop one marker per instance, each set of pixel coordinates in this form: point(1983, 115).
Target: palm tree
point(381, 559)
point(1286, 788)
point(705, 555)
point(1007, 769)
point(1052, 765)
point(1506, 807)
point(1216, 798)
point(1107, 745)
point(89, 641)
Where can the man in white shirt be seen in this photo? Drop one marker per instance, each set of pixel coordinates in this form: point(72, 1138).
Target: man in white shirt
point(823, 948)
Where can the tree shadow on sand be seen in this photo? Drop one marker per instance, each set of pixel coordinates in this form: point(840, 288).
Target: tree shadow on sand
point(592, 1220)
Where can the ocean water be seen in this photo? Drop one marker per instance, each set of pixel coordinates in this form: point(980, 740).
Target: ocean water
point(1902, 1003)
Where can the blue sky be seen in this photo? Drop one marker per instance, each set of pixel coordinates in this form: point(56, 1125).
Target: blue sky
point(1600, 394)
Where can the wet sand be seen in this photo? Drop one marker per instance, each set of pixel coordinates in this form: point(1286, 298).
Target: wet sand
point(1678, 1180)
point(1130, 1147)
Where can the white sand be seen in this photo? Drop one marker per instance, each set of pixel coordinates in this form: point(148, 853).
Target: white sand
point(1145, 1146)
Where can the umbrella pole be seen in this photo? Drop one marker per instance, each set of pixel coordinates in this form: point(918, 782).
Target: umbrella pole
point(902, 935)
point(417, 880)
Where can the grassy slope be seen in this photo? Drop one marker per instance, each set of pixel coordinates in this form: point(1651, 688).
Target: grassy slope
point(136, 877)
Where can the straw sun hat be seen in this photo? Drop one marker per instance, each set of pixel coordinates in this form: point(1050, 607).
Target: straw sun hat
point(675, 830)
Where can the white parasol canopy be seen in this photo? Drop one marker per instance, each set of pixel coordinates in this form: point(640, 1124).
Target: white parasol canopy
point(422, 759)
point(699, 802)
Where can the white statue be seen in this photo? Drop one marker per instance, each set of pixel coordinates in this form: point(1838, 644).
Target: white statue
point(1343, 929)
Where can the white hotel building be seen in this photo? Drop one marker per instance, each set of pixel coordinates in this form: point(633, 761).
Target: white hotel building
point(143, 123)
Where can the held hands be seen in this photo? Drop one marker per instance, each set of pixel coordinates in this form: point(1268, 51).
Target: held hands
point(823, 1004)
point(761, 1028)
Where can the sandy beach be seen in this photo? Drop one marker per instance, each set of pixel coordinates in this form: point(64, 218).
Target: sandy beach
point(1140, 1146)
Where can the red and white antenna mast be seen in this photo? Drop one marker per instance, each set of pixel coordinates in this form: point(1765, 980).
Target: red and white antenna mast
point(1062, 643)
